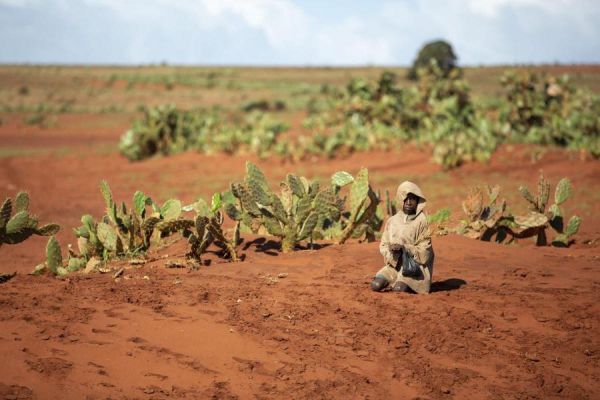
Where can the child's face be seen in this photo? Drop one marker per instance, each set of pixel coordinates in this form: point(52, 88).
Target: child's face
point(410, 204)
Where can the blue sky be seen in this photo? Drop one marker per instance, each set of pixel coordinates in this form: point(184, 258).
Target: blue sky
point(296, 32)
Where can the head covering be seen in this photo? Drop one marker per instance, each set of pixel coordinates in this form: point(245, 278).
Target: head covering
point(407, 187)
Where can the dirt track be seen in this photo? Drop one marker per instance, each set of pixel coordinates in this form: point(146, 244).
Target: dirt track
point(503, 321)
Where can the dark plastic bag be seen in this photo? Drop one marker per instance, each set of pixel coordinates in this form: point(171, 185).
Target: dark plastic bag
point(410, 268)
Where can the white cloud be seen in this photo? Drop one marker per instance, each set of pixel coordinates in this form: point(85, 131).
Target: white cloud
point(491, 8)
point(282, 22)
point(352, 41)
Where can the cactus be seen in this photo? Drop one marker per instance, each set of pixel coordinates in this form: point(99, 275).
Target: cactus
point(305, 211)
point(200, 238)
point(538, 202)
point(363, 206)
point(167, 130)
point(134, 231)
point(294, 215)
point(208, 229)
point(20, 226)
point(485, 217)
point(87, 238)
point(540, 218)
point(564, 239)
point(54, 260)
point(124, 231)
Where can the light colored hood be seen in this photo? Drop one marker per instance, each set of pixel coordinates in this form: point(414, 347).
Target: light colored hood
point(404, 189)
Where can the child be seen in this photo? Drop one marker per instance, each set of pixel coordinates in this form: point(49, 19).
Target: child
point(406, 245)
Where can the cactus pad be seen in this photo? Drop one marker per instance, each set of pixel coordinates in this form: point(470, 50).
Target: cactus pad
point(21, 202)
point(139, 203)
point(168, 227)
point(53, 255)
point(295, 185)
point(531, 220)
point(359, 191)
point(473, 204)
point(273, 226)
point(18, 223)
point(528, 196)
point(341, 179)
point(573, 226)
point(309, 226)
point(233, 212)
point(5, 212)
point(48, 230)
point(257, 184)
point(563, 191)
point(75, 264)
point(171, 210)
point(107, 236)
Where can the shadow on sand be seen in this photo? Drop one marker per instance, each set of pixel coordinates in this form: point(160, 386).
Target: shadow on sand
point(273, 248)
point(447, 285)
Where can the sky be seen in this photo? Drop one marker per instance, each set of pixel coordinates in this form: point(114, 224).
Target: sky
point(296, 32)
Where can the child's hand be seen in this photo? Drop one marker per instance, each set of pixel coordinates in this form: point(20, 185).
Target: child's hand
point(395, 246)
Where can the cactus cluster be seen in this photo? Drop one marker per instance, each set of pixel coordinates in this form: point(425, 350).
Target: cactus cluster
point(301, 211)
point(167, 130)
point(548, 110)
point(486, 219)
point(301, 207)
point(17, 224)
point(437, 111)
point(131, 231)
point(539, 218)
point(124, 231)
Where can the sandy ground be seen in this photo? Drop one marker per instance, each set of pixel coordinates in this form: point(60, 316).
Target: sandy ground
point(503, 322)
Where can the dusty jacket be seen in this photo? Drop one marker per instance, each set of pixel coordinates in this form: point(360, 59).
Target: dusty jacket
point(412, 231)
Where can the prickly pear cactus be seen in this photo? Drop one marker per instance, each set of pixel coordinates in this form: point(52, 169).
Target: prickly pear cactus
point(54, 260)
point(540, 200)
point(564, 239)
point(540, 218)
point(485, 217)
point(200, 238)
point(20, 226)
point(363, 206)
point(132, 231)
point(207, 229)
point(125, 231)
point(294, 215)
